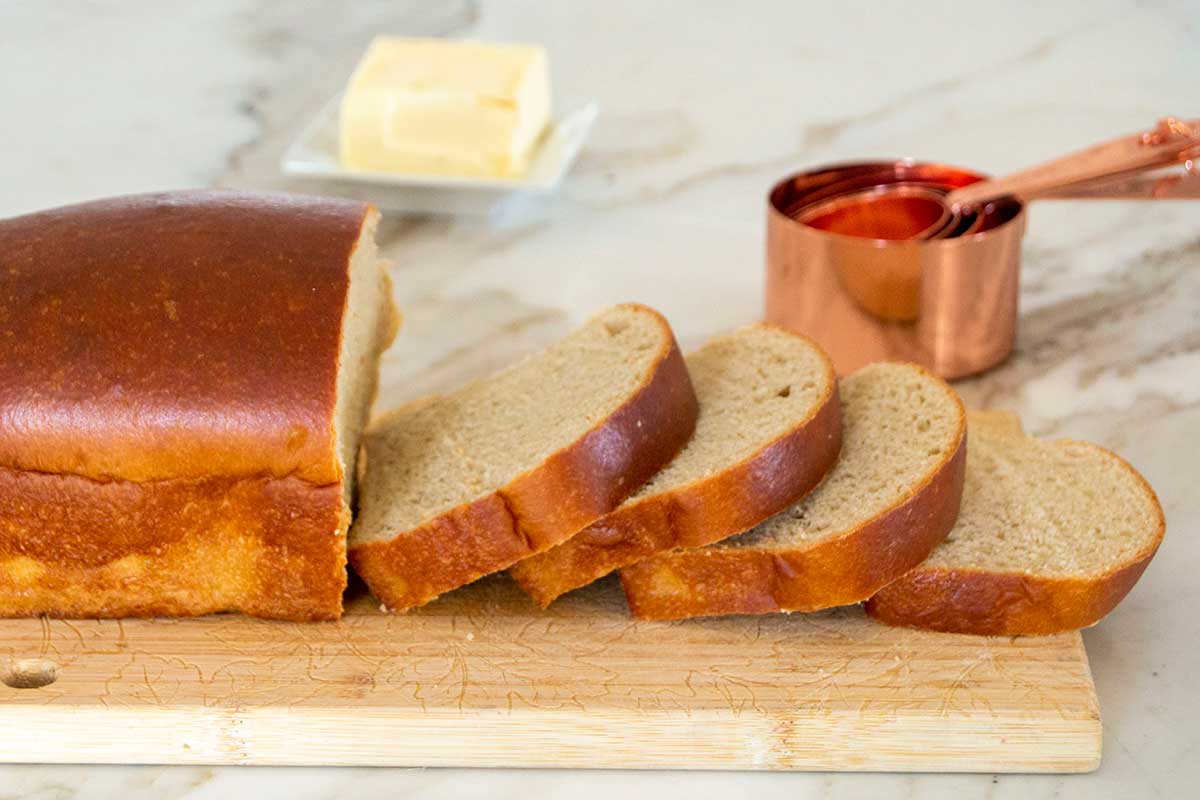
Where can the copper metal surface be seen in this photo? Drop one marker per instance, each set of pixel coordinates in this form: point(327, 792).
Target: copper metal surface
point(884, 211)
point(1118, 168)
point(949, 304)
point(1172, 141)
point(900, 260)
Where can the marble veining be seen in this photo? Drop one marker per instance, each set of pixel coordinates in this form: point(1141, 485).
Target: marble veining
point(703, 106)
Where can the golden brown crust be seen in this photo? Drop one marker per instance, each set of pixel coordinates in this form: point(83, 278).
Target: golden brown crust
point(168, 371)
point(707, 510)
point(176, 335)
point(847, 569)
point(73, 547)
point(964, 600)
point(544, 506)
point(1000, 604)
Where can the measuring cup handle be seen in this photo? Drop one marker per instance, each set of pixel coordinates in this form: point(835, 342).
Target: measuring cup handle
point(1171, 141)
point(1168, 184)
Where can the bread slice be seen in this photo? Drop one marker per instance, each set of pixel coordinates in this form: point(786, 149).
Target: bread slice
point(460, 486)
point(183, 384)
point(1052, 535)
point(890, 499)
point(770, 427)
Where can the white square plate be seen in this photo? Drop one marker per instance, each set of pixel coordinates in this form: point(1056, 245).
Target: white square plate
point(314, 154)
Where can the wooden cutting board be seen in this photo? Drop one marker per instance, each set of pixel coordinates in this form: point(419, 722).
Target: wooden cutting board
point(482, 678)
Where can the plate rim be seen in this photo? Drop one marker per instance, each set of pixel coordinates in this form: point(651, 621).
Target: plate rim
point(582, 112)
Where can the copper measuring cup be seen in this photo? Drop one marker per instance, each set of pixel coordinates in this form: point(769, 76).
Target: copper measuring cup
point(904, 260)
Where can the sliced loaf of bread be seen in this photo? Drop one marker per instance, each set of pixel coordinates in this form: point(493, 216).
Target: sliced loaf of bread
point(1051, 536)
point(459, 486)
point(890, 499)
point(770, 427)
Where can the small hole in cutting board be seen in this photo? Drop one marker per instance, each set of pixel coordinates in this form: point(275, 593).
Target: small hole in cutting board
point(31, 673)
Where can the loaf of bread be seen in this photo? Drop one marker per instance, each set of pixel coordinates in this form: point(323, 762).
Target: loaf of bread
point(1051, 536)
point(770, 428)
point(459, 486)
point(183, 381)
point(890, 499)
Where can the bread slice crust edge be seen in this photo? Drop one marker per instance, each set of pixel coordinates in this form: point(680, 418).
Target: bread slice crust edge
point(545, 505)
point(843, 570)
point(699, 513)
point(1010, 604)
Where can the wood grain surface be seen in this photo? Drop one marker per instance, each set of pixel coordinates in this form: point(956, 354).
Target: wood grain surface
point(483, 678)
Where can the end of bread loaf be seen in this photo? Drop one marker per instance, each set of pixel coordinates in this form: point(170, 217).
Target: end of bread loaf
point(370, 322)
point(181, 403)
point(892, 496)
point(1051, 536)
point(460, 486)
point(769, 430)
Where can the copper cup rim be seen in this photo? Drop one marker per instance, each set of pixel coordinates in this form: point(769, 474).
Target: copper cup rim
point(782, 190)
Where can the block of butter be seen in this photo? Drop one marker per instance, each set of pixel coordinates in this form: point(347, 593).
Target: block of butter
point(444, 107)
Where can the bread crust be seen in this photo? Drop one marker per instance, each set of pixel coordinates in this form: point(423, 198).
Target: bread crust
point(704, 511)
point(544, 506)
point(840, 571)
point(167, 395)
point(176, 335)
point(1010, 604)
point(74, 547)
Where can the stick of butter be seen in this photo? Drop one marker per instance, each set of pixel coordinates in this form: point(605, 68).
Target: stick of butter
point(443, 107)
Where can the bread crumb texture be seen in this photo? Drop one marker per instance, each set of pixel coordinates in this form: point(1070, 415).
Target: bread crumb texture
point(442, 452)
point(1051, 508)
point(899, 425)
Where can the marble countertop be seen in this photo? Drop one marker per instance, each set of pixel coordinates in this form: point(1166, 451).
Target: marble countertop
point(703, 106)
